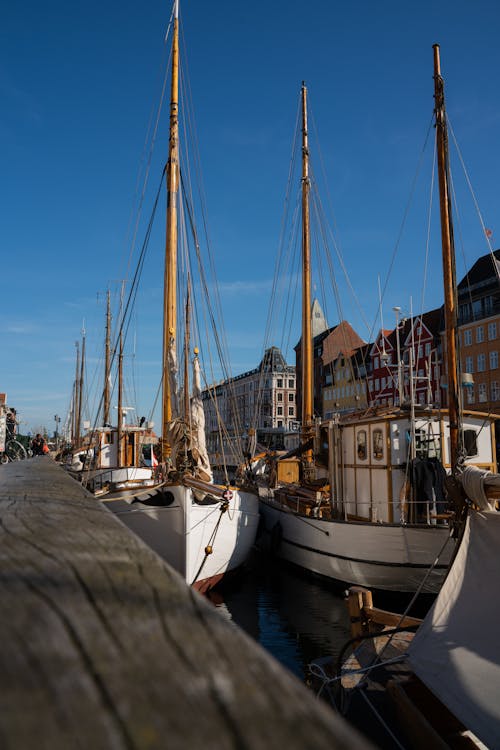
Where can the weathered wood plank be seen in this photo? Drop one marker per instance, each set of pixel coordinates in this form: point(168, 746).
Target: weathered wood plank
point(104, 646)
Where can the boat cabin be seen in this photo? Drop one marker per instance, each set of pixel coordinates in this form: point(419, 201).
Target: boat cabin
point(380, 476)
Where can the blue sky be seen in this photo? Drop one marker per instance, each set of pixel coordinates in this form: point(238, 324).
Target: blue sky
point(78, 83)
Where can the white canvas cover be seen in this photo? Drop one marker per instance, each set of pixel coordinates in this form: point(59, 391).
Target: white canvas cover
point(198, 425)
point(456, 651)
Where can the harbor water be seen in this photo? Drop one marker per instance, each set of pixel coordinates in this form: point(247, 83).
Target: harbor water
point(294, 616)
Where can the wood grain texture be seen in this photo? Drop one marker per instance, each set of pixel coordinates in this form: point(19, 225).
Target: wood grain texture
point(104, 646)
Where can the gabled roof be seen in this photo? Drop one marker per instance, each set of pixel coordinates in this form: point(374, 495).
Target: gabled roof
point(482, 270)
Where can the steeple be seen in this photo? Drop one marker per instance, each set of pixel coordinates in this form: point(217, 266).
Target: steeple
point(319, 323)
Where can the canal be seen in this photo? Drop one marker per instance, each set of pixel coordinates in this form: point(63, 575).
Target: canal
point(294, 616)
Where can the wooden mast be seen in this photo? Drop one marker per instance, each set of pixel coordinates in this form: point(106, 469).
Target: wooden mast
point(76, 392)
point(170, 277)
point(186, 356)
point(107, 361)
point(307, 344)
point(119, 436)
point(449, 275)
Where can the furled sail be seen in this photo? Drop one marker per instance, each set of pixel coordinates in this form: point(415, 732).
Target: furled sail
point(199, 448)
point(456, 651)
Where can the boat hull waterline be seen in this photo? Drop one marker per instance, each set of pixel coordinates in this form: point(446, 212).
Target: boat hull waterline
point(181, 531)
point(390, 557)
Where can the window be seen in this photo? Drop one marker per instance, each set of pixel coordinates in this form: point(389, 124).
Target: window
point(470, 442)
point(469, 364)
point(377, 384)
point(487, 305)
point(420, 351)
point(421, 398)
point(492, 331)
point(470, 395)
point(279, 383)
point(378, 444)
point(280, 423)
point(291, 396)
point(495, 391)
point(375, 363)
point(482, 393)
point(279, 411)
point(280, 397)
point(291, 384)
point(493, 360)
point(382, 383)
point(479, 334)
point(481, 362)
point(361, 444)
point(468, 337)
point(290, 411)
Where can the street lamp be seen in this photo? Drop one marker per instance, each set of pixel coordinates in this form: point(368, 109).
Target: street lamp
point(57, 420)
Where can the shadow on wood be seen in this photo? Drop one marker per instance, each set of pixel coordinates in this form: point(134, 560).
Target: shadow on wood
point(104, 646)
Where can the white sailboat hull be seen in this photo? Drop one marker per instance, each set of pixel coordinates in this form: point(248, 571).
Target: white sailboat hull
point(181, 531)
point(392, 557)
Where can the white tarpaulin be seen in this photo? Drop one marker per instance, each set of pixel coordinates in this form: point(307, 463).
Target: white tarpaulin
point(456, 651)
point(198, 422)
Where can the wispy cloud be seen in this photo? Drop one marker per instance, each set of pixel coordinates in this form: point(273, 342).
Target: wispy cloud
point(21, 328)
point(245, 287)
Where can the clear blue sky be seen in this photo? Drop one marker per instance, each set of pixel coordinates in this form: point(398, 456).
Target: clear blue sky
point(78, 82)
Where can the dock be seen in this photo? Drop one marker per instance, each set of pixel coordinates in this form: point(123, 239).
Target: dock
point(104, 646)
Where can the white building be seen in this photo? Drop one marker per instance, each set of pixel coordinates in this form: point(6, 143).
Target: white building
point(263, 400)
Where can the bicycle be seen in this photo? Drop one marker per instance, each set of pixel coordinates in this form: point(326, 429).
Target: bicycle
point(15, 450)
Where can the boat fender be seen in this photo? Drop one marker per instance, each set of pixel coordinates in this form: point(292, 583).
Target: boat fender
point(276, 538)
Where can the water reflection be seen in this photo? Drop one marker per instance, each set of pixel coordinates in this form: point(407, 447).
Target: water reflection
point(295, 617)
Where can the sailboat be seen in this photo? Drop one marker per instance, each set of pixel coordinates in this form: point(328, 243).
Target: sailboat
point(438, 686)
point(352, 515)
point(204, 530)
point(114, 459)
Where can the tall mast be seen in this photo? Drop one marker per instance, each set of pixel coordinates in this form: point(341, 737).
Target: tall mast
point(107, 361)
point(76, 390)
point(307, 344)
point(120, 402)
point(186, 355)
point(449, 274)
point(80, 388)
point(170, 278)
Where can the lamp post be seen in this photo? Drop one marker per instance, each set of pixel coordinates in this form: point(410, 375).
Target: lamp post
point(57, 420)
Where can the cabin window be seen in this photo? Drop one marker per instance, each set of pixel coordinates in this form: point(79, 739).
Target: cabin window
point(470, 442)
point(378, 444)
point(108, 438)
point(361, 441)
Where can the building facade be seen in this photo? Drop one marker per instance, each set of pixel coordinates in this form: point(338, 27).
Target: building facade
point(262, 400)
point(479, 332)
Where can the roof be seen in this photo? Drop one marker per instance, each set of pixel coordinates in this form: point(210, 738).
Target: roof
point(482, 270)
